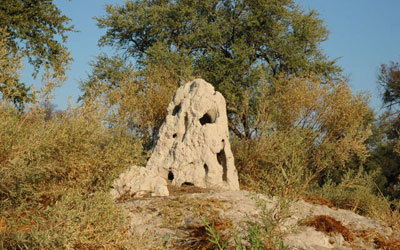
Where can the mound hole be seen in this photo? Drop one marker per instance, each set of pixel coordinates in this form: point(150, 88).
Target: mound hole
point(205, 119)
point(170, 176)
point(209, 117)
point(221, 157)
point(206, 169)
point(176, 110)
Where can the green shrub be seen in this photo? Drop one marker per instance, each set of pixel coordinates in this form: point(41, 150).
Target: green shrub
point(357, 192)
point(304, 127)
point(55, 175)
point(274, 165)
point(75, 221)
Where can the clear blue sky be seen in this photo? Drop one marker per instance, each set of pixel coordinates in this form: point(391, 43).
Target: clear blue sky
point(364, 34)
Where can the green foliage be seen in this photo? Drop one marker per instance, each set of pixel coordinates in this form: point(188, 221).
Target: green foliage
point(386, 147)
point(268, 233)
point(232, 44)
point(272, 218)
point(214, 236)
point(33, 28)
point(257, 238)
point(389, 81)
point(43, 147)
point(386, 161)
point(254, 238)
point(355, 191)
point(11, 89)
point(107, 73)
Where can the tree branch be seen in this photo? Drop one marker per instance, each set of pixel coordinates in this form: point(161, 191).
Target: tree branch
point(235, 130)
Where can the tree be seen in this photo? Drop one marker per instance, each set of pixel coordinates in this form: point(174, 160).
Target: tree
point(234, 44)
point(389, 81)
point(134, 99)
point(310, 129)
point(386, 153)
point(32, 28)
point(11, 88)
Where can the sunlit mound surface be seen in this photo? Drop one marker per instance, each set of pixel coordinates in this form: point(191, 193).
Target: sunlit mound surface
point(196, 218)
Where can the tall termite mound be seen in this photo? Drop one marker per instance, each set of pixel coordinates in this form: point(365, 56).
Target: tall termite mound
point(192, 146)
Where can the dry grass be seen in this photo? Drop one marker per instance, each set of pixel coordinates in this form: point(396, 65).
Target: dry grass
point(182, 222)
point(173, 211)
point(330, 226)
point(387, 244)
point(317, 200)
point(186, 189)
point(55, 171)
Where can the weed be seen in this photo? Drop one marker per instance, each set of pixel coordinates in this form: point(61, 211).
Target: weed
point(358, 193)
point(273, 217)
point(282, 245)
point(214, 236)
point(268, 233)
point(257, 240)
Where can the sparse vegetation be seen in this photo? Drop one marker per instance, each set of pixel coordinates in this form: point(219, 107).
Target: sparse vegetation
point(358, 193)
point(174, 210)
point(214, 236)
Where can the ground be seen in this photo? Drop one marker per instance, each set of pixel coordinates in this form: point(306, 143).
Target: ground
point(195, 218)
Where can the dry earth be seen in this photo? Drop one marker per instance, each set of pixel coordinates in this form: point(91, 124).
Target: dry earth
point(177, 222)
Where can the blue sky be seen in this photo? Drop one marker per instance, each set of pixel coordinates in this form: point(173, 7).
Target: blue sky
point(363, 35)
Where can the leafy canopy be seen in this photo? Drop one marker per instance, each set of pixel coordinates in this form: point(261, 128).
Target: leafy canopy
point(35, 29)
point(386, 153)
point(389, 80)
point(11, 89)
point(233, 44)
